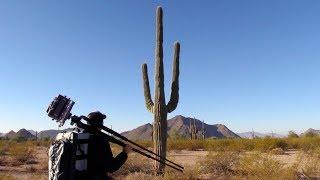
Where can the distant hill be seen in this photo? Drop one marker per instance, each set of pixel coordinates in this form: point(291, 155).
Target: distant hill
point(11, 134)
point(257, 134)
point(22, 133)
point(25, 134)
point(179, 126)
point(51, 133)
point(32, 132)
point(310, 130)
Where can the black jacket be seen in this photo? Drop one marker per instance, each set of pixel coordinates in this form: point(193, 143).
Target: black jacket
point(100, 157)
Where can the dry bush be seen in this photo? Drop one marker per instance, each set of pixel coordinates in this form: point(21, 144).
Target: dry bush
point(267, 144)
point(31, 169)
point(135, 163)
point(5, 176)
point(145, 143)
point(220, 163)
point(138, 175)
point(43, 142)
point(304, 143)
point(23, 154)
point(2, 160)
point(4, 148)
point(241, 144)
point(169, 175)
point(39, 176)
point(140, 167)
point(188, 173)
point(186, 144)
point(277, 151)
point(310, 163)
point(259, 166)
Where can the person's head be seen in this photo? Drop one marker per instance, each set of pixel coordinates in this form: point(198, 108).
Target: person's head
point(96, 118)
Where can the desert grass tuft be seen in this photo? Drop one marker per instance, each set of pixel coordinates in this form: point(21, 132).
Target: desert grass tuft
point(219, 163)
point(264, 166)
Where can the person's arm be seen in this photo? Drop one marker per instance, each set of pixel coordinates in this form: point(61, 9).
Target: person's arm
point(120, 159)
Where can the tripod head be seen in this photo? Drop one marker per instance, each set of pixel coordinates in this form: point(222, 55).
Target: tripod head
point(60, 109)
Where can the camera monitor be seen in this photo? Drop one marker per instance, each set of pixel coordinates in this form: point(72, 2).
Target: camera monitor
point(60, 109)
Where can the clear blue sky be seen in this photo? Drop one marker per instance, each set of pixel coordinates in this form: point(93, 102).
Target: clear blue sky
point(246, 64)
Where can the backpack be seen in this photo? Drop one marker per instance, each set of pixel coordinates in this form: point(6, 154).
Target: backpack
point(68, 156)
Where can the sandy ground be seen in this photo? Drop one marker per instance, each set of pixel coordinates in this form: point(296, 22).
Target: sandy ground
point(185, 158)
point(190, 158)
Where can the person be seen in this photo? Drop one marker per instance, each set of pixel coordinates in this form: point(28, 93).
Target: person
point(100, 157)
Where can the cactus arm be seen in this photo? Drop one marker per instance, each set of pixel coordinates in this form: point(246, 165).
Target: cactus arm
point(159, 76)
point(174, 98)
point(146, 87)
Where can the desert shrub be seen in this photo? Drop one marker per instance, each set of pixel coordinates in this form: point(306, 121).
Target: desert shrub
point(277, 151)
point(138, 175)
point(241, 144)
point(136, 163)
point(22, 154)
point(146, 144)
point(39, 176)
point(310, 163)
point(220, 163)
point(175, 135)
point(267, 144)
point(6, 176)
point(292, 134)
point(4, 148)
point(259, 166)
point(186, 144)
point(31, 169)
point(19, 139)
point(188, 173)
point(311, 134)
point(281, 143)
point(171, 175)
point(2, 160)
point(304, 143)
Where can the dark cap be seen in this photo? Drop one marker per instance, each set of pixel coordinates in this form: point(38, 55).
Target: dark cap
point(96, 118)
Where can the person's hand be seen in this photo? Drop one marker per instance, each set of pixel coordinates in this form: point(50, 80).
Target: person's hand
point(127, 149)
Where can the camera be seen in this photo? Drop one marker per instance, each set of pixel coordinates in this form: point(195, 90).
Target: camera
point(60, 109)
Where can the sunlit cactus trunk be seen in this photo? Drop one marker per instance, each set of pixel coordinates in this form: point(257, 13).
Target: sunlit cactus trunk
point(159, 107)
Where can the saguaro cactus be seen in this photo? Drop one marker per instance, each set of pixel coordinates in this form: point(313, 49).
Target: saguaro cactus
point(159, 107)
point(193, 129)
point(203, 131)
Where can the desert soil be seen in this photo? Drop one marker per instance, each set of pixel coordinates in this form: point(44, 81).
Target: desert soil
point(39, 169)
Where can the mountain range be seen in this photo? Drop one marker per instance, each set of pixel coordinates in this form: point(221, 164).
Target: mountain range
point(31, 134)
point(257, 134)
point(179, 126)
point(21, 133)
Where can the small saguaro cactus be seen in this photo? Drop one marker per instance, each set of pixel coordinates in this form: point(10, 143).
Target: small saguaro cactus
point(159, 107)
point(193, 129)
point(253, 134)
point(203, 131)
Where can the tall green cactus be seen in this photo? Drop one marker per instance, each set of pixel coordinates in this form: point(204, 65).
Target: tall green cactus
point(159, 107)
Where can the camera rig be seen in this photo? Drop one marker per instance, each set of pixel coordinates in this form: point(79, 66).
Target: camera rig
point(60, 111)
